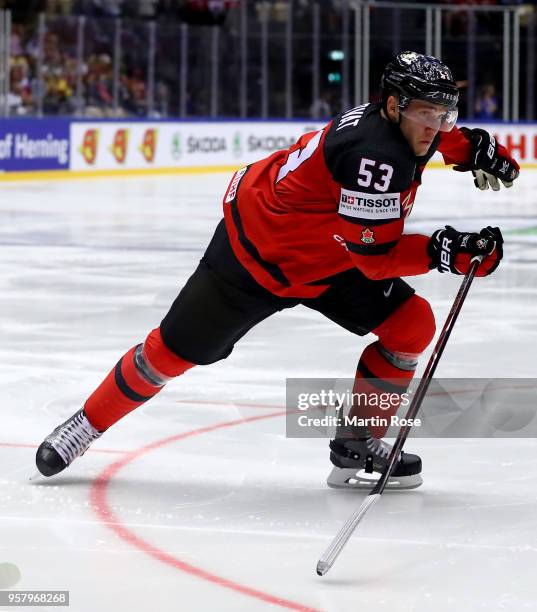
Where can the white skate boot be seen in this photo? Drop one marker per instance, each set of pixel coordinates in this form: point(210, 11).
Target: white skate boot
point(67, 442)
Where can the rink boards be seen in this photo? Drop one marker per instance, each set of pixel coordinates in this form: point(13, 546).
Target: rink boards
point(64, 148)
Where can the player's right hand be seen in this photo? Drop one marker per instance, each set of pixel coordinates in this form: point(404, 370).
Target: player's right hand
point(452, 251)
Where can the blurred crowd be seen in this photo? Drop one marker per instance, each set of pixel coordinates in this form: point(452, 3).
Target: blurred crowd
point(194, 11)
point(90, 89)
point(93, 89)
point(60, 75)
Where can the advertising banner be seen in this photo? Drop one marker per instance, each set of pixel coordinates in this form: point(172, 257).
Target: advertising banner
point(107, 146)
point(34, 144)
point(61, 144)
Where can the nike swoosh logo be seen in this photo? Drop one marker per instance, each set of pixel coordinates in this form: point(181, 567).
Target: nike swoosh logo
point(388, 291)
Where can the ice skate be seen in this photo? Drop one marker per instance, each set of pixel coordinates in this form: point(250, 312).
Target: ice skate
point(359, 462)
point(67, 442)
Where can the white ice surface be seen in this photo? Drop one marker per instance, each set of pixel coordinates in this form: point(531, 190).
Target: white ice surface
point(88, 267)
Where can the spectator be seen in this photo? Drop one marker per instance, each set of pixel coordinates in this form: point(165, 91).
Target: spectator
point(138, 93)
point(98, 86)
point(17, 34)
point(486, 104)
point(59, 88)
point(20, 96)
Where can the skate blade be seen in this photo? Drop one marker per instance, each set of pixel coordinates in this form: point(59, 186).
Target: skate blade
point(36, 476)
point(349, 478)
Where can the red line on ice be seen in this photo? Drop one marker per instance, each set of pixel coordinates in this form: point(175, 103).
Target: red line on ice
point(99, 501)
point(227, 404)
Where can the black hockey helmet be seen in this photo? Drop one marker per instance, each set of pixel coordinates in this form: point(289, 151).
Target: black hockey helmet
point(422, 77)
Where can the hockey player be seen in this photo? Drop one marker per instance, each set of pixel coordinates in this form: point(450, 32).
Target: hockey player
point(321, 224)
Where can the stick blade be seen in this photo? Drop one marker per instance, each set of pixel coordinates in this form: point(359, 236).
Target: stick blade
point(322, 567)
point(330, 555)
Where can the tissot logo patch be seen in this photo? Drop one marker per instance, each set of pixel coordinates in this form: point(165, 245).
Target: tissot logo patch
point(369, 206)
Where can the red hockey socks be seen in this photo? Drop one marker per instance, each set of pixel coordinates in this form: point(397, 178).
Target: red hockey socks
point(386, 367)
point(379, 386)
point(138, 376)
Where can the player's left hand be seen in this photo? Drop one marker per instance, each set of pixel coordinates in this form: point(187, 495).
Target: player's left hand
point(489, 162)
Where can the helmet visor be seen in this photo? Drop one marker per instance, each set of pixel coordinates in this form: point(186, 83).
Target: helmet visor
point(435, 116)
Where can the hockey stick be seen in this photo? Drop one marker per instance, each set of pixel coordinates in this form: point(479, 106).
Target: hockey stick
point(330, 555)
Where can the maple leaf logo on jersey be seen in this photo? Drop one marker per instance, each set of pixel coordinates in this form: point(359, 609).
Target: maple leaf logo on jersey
point(88, 149)
point(149, 144)
point(120, 144)
point(368, 236)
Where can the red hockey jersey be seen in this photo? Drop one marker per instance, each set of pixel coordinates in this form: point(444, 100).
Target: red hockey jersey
point(337, 198)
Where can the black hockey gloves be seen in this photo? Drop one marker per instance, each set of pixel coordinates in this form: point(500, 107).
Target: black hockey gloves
point(452, 251)
point(489, 161)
